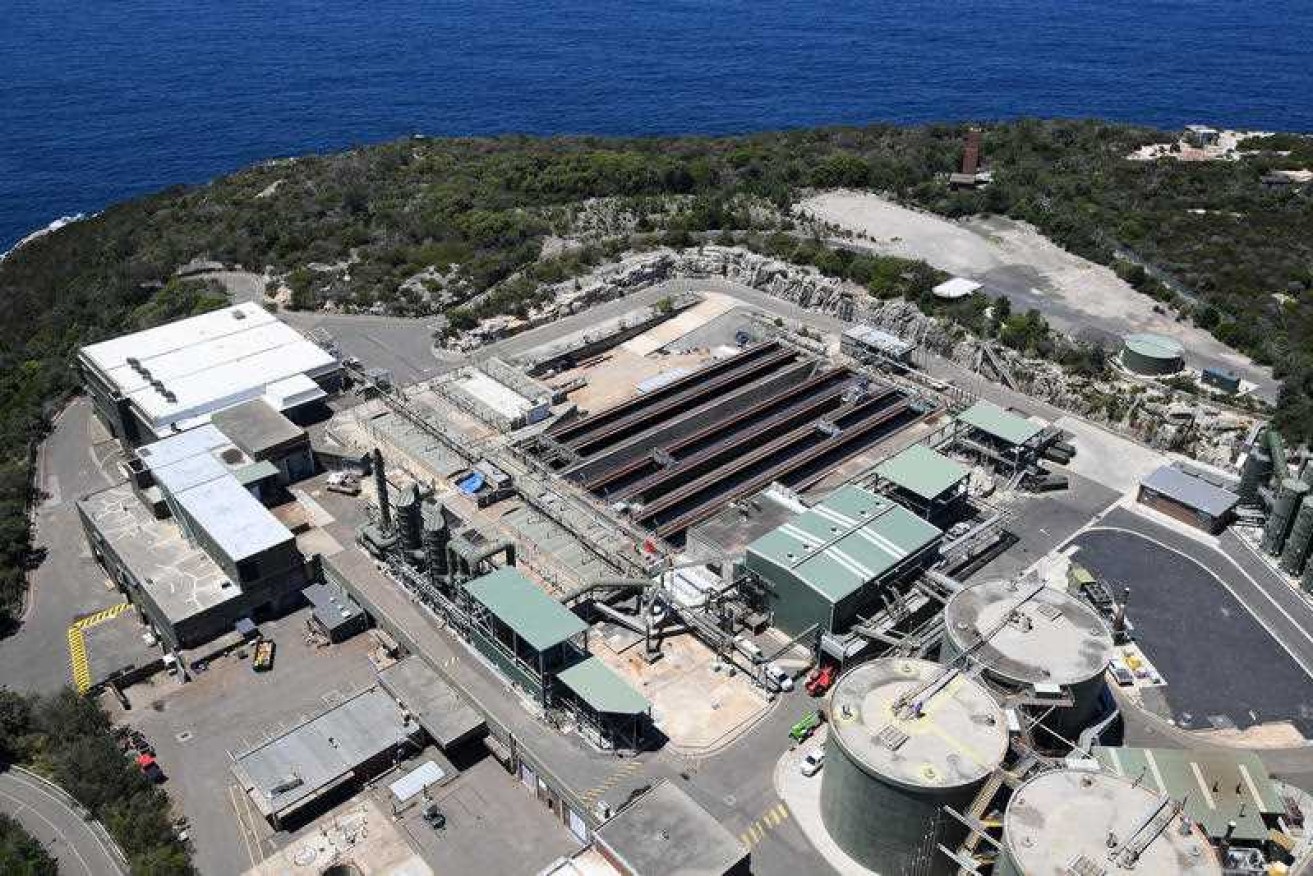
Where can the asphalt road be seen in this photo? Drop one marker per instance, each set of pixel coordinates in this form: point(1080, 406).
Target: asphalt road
point(74, 461)
point(46, 814)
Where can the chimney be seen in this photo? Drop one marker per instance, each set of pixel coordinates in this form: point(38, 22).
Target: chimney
point(381, 487)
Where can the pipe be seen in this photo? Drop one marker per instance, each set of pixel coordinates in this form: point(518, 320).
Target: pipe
point(381, 488)
point(604, 584)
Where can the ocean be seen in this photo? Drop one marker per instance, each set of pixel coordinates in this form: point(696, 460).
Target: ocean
point(102, 101)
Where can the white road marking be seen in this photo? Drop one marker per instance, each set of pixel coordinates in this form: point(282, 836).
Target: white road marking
point(55, 829)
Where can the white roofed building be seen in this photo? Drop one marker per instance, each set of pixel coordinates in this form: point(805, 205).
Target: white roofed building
point(155, 383)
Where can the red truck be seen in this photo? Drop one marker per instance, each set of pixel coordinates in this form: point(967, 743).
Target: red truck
point(820, 679)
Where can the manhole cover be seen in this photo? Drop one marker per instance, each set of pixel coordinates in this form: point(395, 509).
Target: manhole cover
point(305, 856)
point(731, 800)
point(184, 736)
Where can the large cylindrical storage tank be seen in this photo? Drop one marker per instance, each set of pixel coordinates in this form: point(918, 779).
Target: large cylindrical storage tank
point(1086, 821)
point(1026, 633)
point(1152, 355)
point(1292, 492)
point(1296, 550)
point(436, 536)
point(1255, 473)
point(906, 738)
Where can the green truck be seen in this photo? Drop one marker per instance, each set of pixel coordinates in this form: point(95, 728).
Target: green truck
point(802, 731)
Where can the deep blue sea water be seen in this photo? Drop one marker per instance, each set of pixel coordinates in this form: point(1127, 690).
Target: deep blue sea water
point(104, 99)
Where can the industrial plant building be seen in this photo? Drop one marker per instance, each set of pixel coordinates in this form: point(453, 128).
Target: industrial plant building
point(926, 481)
point(1188, 498)
point(1002, 439)
point(830, 565)
point(154, 383)
point(188, 539)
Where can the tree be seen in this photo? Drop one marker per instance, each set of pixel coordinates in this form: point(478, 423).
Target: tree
point(21, 854)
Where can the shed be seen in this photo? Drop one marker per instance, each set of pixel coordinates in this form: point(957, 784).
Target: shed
point(999, 424)
point(605, 702)
point(1189, 499)
point(957, 287)
point(335, 611)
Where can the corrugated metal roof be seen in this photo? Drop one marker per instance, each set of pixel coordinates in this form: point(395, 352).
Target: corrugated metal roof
point(1190, 491)
point(525, 608)
point(602, 689)
point(845, 542)
point(993, 420)
point(1214, 785)
point(922, 471)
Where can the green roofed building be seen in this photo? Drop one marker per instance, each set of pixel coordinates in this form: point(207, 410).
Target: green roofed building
point(1000, 437)
point(925, 480)
point(604, 702)
point(828, 566)
point(1218, 787)
point(528, 635)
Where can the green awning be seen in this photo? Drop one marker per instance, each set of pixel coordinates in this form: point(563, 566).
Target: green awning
point(597, 685)
point(255, 472)
point(922, 471)
point(520, 604)
point(993, 420)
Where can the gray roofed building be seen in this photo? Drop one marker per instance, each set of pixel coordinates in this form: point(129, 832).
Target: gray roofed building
point(1188, 498)
point(665, 832)
point(350, 742)
point(434, 703)
point(257, 428)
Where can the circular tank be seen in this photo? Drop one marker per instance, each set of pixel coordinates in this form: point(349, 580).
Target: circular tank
point(1060, 817)
point(1152, 355)
point(907, 737)
point(1026, 634)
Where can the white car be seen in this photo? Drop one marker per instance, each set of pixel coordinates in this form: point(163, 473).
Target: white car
point(812, 762)
point(779, 677)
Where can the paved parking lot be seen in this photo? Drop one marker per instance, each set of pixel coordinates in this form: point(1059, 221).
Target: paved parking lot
point(1221, 665)
point(229, 708)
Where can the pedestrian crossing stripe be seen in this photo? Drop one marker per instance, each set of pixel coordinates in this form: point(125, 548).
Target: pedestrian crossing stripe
point(77, 660)
point(101, 616)
point(773, 818)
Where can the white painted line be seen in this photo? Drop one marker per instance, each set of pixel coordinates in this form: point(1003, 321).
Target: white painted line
point(1253, 789)
point(1153, 768)
point(1203, 786)
point(57, 832)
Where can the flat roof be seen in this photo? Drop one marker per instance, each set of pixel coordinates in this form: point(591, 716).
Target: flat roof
point(495, 394)
point(443, 712)
point(256, 427)
point(880, 339)
point(993, 420)
point(322, 752)
point(1063, 817)
point(1218, 786)
point(665, 832)
point(205, 363)
point(1040, 635)
point(604, 691)
point(332, 605)
point(525, 608)
point(177, 575)
point(239, 525)
point(923, 471)
point(1190, 491)
point(843, 543)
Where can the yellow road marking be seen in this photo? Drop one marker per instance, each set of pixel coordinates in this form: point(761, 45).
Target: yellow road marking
point(77, 660)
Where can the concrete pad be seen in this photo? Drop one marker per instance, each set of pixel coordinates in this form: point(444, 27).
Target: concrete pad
point(802, 794)
point(696, 708)
point(1109, 459)
point(712, 305)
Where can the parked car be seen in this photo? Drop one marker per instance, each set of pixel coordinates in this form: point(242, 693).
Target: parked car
point(263, 659)
point(959, 529)
point(749, 649)
point(812, 762)
point(1121, 673)
point(778, 676)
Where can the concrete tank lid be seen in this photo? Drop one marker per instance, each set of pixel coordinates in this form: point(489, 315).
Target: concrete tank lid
point(1041, 635)
point(1064, 815)
point(1155, 346)
point(956, 737)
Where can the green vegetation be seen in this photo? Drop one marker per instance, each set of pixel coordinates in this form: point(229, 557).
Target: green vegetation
point(68, 739)
point(458, 226)
point(21, 854)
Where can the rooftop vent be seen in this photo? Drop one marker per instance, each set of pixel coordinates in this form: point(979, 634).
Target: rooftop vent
point(239, 314)
point(891, 737)
point(231, 455)
point(134, 362)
